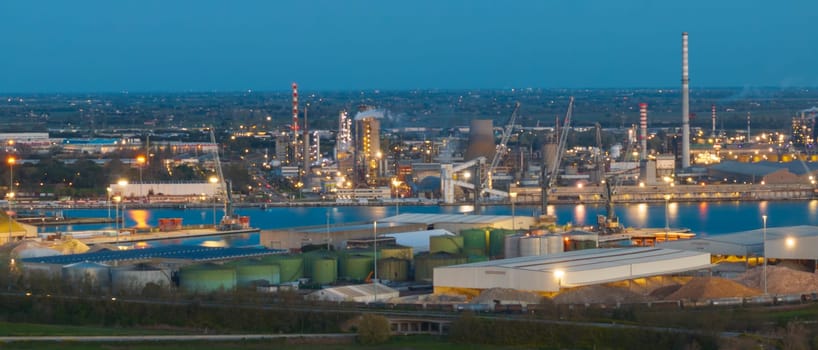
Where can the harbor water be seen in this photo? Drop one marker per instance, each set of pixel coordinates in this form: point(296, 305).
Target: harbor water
point(704, 219)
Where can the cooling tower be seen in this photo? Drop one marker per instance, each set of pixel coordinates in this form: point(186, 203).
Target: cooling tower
point(481, 139)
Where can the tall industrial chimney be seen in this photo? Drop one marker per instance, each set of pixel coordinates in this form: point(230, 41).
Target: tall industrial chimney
point(685, 106)
point(643, 135)
point(713, 118)
point(295, 126)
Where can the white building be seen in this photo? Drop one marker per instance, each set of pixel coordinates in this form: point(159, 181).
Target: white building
point(361, 293)
point(549, 273)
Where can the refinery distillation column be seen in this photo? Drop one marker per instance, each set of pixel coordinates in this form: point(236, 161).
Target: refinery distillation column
point(643, 126)
point(685, 106)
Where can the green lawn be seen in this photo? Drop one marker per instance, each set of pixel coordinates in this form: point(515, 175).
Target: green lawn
point(30, 329)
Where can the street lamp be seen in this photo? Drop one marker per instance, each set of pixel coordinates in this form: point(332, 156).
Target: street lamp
point(117, 199)
point(140, 160)
point(558, 274)
point(108, 201)
point(11, 160)
point(214, 180)
point(764, 243)
point(513, 196)
point(375, 251)
point(667, 219)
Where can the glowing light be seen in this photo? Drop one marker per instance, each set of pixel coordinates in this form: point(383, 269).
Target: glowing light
point(790, 242)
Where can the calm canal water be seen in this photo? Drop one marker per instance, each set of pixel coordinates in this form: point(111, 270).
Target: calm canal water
point(702, 218)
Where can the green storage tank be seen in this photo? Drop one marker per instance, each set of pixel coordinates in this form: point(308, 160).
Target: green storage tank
point(426, 263)
point(325, 270)
point(393, 269)
point(497, 241)
point(475, 241)
point(207, 278)
point(446, 244)
point(476, 258)
point(311, 257)
point(357, 267)
point(250, 272)
point(395, 251)
point(291, 267)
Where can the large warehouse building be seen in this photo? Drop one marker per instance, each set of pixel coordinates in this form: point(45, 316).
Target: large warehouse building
point(784, 243)
point(458, 222)
point(550, 273)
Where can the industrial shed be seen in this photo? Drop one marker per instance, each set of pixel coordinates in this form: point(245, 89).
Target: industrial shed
point(791, 242)
point(337, 235)
point(458, 222)
point(550, 273)
point(361, 293)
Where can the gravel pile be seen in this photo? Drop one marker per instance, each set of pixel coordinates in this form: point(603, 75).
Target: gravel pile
point(704, 288)
point(505, 294)
point(780, 280)
point(599, 294)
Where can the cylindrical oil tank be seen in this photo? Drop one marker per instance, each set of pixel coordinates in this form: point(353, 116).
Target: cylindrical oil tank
point(87, 274)
point(249, 273)
point(511, 246)
point(475, 241)
point(497, 241)
point(311, 257)
point(393, 269)
point(446, 244)
point(207, 278)
point(530, 246)
point(554, 244)
point(291, 267)
point(395, 251)
point(325, 270)
point(425, 264)
point(134, 279)
point(476, 258)
point(356, 267)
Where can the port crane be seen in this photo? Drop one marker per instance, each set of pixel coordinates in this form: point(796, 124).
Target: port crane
point(228, 221)
point(549, 176)
point(501, 148)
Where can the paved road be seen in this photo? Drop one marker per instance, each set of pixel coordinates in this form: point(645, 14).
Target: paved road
point(166, 338)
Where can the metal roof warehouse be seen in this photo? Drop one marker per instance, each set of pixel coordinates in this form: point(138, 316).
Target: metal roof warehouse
point(549, 273)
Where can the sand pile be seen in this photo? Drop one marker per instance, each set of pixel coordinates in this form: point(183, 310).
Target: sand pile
point(704, 288)
point(599, 294)
point(505, 294)
point(780, 280)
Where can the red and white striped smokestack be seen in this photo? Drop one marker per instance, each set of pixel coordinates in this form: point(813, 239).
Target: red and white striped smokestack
point(685, 105)
point(295, 107)
point(643, 126)
point(713, 117)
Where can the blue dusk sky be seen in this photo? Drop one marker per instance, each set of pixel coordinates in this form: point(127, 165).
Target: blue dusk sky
point(166, 45)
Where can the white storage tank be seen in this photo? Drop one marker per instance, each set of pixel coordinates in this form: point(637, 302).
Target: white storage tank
point(530, 246)
point(87, 275)
point(511, 246)
point(554, 244)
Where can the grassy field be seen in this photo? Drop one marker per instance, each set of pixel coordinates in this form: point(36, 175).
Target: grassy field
point(403, 343)
point(29, 329)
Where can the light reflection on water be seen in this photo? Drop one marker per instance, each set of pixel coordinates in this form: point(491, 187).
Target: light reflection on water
point(701, 218)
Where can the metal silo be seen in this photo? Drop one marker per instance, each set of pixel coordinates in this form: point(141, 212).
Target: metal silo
point(497, 241)
point(133, 279)
point(511, 246)
point(87, 275)
point(530, 246)
point(325, 270)
point(396, 251)
point(446, 244)
point(207, 278)
point(393, 269)
point(291, 267)
point(554, 244)
point(357, 267)
point(475, 241)
point(249, 272)
point(426, 263)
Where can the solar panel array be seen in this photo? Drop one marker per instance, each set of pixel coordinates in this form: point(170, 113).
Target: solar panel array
point(180, 252)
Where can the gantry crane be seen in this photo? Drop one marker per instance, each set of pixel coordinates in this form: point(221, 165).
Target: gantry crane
point(549, 176)
point(501, 148)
